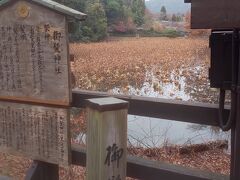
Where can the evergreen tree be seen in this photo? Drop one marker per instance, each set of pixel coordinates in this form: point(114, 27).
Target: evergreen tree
point(95, 27)
point(174, 18)
point(96, 22)
point(163, 13)
point(80, 5)
point(114, 10)
point(138, 10)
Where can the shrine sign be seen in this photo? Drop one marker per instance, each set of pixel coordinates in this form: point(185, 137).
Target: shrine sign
point(35, 89)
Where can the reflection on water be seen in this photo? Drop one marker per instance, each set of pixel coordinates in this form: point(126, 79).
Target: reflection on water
point(183, 84)
point(151, 132)
point(186, 83)
point(173, 87)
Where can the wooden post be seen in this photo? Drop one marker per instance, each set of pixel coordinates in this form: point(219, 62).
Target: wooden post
point(106, 139)
point(235, 157)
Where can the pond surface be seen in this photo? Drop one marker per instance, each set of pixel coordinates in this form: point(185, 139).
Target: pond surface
point(172, 88)
point(152, 132)
point(186, 84)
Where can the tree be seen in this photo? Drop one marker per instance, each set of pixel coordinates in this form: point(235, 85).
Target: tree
point(148, 19)
point(96, 21)
point(114, 10)
point(95, 27)
point(174, 18)
point(163, 13)
point(138, 10)
point(80, 5)
point(122, 15)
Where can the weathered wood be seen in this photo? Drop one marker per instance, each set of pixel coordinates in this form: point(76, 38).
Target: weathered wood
point(215, 14)
point(145, 169)
point(236, 145)
point(106, 139)
point(192, 112)
point(34, 64)
point(106, 104)
point(154, 170)
point(71, 13)
point(37, 132)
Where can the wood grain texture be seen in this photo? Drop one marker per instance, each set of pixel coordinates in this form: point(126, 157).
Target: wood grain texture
point(36, 132)
point(34, 55)
point(215, 14)
point(106, 144)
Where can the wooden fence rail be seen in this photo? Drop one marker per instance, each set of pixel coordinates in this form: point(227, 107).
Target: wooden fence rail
point(141, 169)
point(200, 113)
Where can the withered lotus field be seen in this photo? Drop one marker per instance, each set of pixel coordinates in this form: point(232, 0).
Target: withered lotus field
point(125, 64)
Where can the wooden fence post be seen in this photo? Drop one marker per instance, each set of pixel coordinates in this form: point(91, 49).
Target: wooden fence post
point(106, 139)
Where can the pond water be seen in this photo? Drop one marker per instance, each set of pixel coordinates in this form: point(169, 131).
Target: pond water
point(151, 132)
point(154, 87)
point(182, 84)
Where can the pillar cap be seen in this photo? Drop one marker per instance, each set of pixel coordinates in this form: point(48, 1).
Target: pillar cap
point(107, 104)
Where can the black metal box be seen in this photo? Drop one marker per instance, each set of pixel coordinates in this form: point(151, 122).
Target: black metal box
point(221, 59)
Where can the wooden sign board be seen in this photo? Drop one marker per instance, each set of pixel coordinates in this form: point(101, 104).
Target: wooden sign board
point(40, 133)
point(215, 14)
point(34, 67)
point(34, 63)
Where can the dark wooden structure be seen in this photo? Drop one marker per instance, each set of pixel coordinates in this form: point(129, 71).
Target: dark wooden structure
point(222, 15)
point(214, 14)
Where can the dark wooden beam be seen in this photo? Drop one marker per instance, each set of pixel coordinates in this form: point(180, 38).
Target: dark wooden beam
point(146, 169)
point(235, 156)
point(152, 170)
point(199, 113)
point(136, 168)
point(215, 14)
